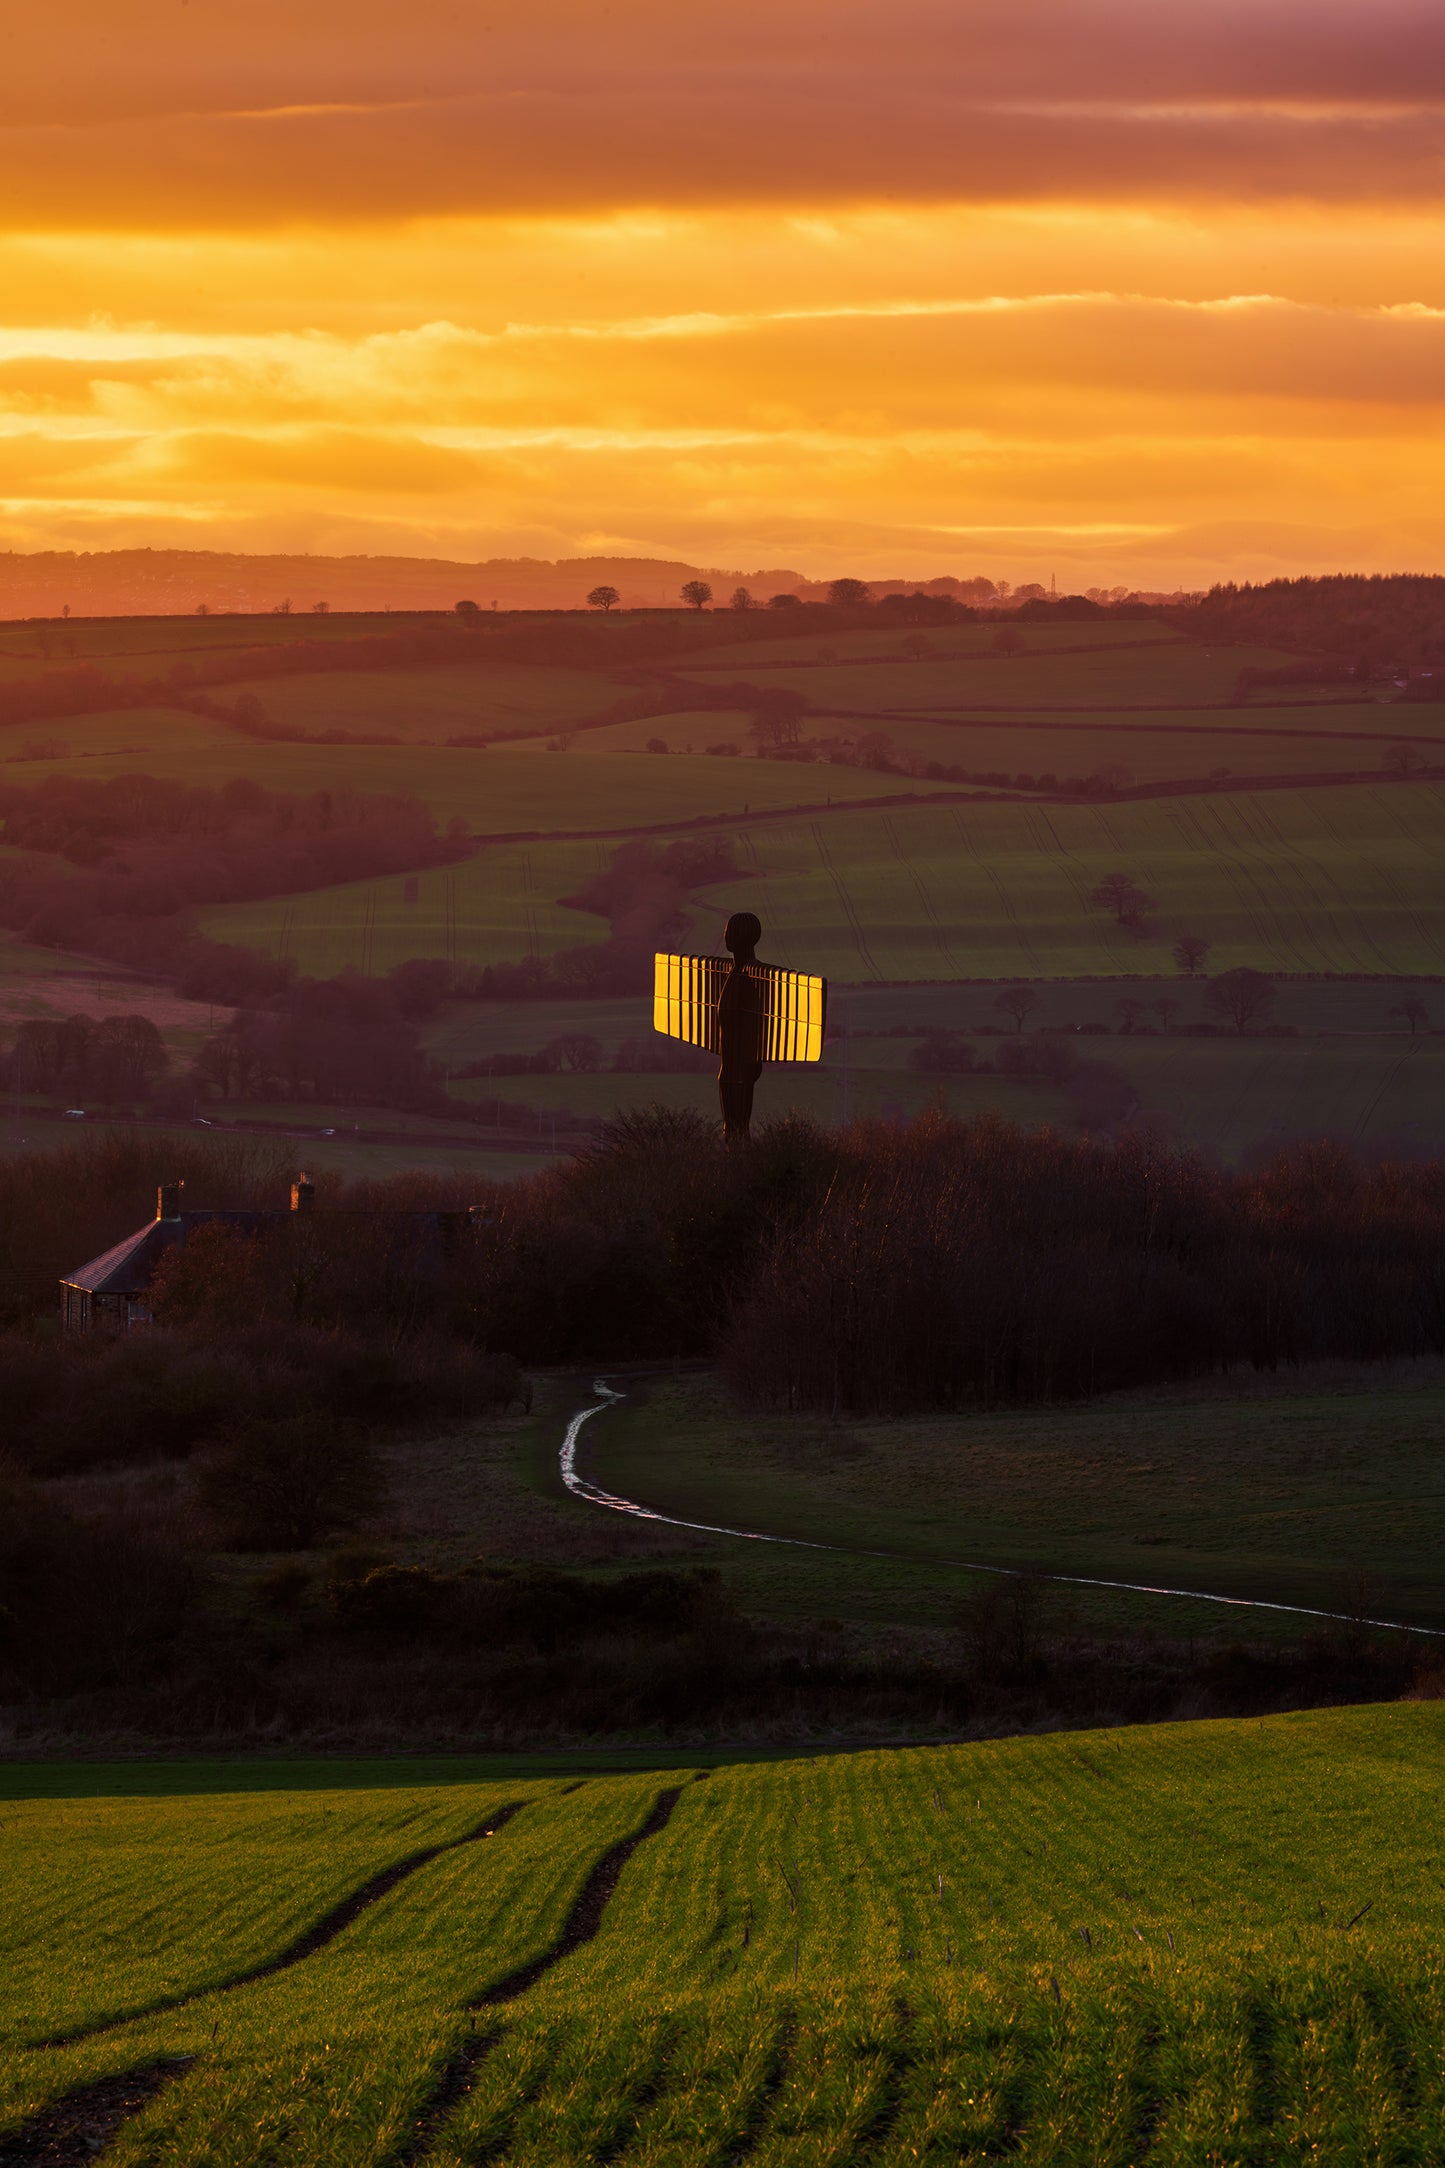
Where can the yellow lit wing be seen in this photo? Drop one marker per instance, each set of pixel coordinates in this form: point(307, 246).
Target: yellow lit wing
point(685, 998)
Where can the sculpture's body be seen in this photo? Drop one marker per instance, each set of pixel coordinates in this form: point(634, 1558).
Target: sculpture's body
point(746, 1012)
point(740, 1019)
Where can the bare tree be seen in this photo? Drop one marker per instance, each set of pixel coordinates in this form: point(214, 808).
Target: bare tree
point(1242, 995)
point(1402, 760)
point(696, 593)
point(847, 594)
point(1190, 951)
point(1121, 894)
point(741, 599)
point(1166, 1009)
point(1129, 1011)
point(1008, 640)
point(1018, 1002)
point(1414, 1012)
point(603, 598)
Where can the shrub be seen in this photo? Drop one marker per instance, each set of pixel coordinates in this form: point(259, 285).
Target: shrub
point(282, 1485)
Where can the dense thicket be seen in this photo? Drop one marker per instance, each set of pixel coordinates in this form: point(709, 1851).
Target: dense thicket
point(879, 1267)
point(1364, 618)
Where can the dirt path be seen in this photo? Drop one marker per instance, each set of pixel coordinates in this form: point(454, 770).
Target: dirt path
point(593, 1494)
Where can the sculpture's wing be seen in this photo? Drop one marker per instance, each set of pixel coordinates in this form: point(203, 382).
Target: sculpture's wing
point(796, 1017)
point(685, 1006)
point(685, 997)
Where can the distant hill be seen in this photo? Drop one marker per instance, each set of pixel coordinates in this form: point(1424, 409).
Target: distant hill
point(167, 583)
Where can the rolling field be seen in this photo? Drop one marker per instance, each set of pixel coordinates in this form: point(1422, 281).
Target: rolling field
point(1109, 675)
point(952, 642)
point(1200, 1943)
point(503, 789)
point(431, 704)
point(828, 1094)
point(1301, 880)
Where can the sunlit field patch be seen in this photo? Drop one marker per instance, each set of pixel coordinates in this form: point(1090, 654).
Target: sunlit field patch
point(1204, 1942)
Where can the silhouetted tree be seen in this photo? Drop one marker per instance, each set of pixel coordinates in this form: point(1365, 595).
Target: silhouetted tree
point(1412, 1009)
point(1166, 1010)
point(467, 609)
point(603, 598)
point(1402, 760)
point(696, 593)
point(1121, 894)
point(1190, 951)
point(1243, 995)
point(785, 602)
point(741, 600)
point(1018, 1002)
point(847, 594)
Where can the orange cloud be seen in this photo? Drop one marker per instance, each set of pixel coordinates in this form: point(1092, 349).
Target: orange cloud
point(1090, 286)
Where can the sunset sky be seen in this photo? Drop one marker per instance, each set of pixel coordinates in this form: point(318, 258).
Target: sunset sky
point(1132, 291)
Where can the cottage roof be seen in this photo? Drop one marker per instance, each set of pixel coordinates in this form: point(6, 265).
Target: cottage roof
point(129, 1268)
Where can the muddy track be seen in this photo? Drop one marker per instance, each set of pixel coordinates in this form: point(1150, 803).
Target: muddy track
point(315, 1938)
point(80, 2126)
point(585, 1917)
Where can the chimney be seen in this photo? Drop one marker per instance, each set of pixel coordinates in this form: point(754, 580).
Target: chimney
point(168, 1200)
point(303, 1193)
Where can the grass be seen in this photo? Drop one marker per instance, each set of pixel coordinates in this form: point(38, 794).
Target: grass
point(1281, 1494)
point(494, 907)
point(1228, 1096)
point(433, 703)
point(500, 790)
point(1208, 1942)
point(1301, 880)
point(352, 1157)
point(954, 640)
point(826, 1093)
point(1164, 673)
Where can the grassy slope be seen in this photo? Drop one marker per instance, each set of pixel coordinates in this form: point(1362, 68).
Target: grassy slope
point(502, 789)
point(1299, 880)
point(1065, 1950)
point(1275, 1495)
point(1174, 671)
point(433, 703)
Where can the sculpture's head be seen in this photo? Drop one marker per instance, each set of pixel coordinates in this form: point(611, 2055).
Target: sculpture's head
point(742, 934)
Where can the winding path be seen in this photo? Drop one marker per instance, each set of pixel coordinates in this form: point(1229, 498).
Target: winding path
point(593, 1494)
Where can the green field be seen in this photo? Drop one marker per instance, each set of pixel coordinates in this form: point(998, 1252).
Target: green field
point(503, 789)
point(1279, 1494)
point(431, 704)
point(1204, 1942)
point(1159, 674)
point(1300, 880)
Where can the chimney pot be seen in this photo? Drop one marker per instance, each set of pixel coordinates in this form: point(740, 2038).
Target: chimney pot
point(303, 1193)
point(168, 1200)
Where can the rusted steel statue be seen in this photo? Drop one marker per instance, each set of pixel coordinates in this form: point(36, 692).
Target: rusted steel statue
point(746, 1012)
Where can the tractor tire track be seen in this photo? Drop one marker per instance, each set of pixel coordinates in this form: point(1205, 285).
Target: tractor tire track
point(585, 1917)
point(80, 2126)
point(315, 1937)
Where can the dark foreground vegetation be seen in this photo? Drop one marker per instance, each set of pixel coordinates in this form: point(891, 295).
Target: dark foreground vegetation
point(192, 1533)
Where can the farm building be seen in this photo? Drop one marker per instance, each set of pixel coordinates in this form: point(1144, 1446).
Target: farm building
point(112, 1292)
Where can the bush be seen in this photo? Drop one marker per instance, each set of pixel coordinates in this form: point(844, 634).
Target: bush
point(282, 1485)
point(85, 1602)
